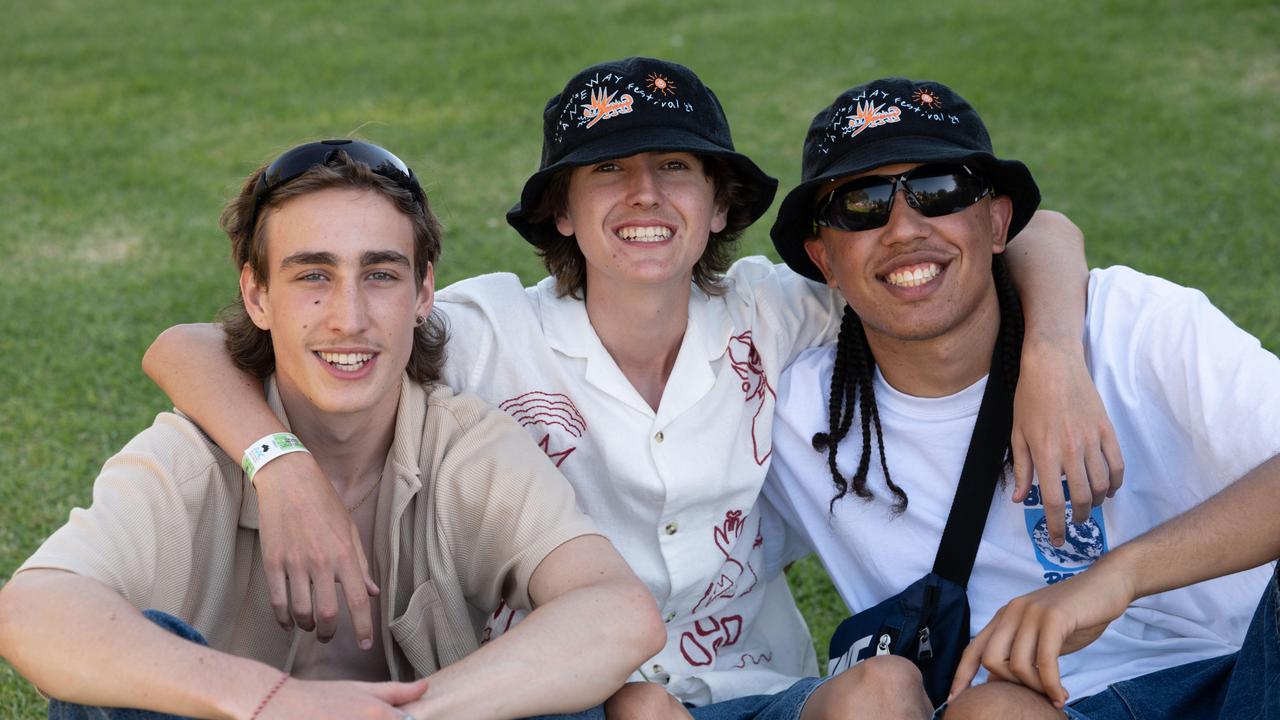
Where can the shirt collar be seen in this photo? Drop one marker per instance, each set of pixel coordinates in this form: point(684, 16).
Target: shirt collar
point(410, 418)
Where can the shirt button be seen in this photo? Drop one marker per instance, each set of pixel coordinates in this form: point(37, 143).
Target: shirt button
point(670, 616)
point(658, 438)
point(671, 528)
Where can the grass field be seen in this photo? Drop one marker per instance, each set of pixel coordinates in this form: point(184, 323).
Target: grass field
point(125, 125)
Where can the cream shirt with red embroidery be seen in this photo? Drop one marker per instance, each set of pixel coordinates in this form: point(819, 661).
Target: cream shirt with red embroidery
point(676, 490)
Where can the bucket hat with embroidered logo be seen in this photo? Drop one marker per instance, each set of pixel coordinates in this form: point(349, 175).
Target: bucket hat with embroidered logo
point(626, 107)
point(885, 122)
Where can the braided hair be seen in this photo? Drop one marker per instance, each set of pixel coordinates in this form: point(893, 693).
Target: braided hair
point(851, 382)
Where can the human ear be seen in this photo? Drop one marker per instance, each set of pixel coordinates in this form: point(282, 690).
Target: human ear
point(720, 220)
point(816, 248)
point(427, 292)
point(564, 224)
point(256, 302)
point(1001, 209)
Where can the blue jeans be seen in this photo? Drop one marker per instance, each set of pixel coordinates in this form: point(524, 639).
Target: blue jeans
point(785, 705)
point(1245, 684)
point(59, 710)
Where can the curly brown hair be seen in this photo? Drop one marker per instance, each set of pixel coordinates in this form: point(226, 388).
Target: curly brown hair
point(564, 259)
point(249, 345)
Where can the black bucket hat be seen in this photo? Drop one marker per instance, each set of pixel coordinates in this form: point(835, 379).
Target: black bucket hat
point(889, 121)
point(621, 108)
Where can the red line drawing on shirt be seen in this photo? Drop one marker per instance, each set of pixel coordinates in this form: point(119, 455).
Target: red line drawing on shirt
point(754, 659)
point(721, 633)
point(497, 624)
point(726, 536)
point(556, 457)
point(545, 408)
point(748, 365)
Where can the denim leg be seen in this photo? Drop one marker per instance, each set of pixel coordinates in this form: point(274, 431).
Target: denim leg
point(595, 713)
point(59, 710)
point(1245, 684)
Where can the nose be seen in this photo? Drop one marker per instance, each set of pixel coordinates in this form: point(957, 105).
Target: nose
point(348, 309)
point(905, 221)
point(642, 186)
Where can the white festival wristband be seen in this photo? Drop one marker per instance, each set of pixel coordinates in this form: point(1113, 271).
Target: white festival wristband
point(267, 449)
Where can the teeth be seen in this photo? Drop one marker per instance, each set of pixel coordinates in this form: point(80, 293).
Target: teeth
point(913, 278)
point(349, 362)
point(653, 233)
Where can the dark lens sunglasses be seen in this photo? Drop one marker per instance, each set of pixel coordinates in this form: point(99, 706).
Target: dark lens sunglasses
point(302, 158)
point(933, 190)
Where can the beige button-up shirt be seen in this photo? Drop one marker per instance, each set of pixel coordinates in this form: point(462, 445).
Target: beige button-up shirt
point(468, 508)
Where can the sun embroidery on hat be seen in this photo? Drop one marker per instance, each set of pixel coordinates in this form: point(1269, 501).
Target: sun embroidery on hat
point(925, 98)
point(659, 84)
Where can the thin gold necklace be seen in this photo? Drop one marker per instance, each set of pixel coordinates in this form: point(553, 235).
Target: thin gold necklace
point(366, 497)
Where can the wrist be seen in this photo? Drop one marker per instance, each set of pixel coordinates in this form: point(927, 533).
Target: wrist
point(1122, 572)
point(267, 449)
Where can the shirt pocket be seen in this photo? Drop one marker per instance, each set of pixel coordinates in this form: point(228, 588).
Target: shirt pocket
point(414, 630)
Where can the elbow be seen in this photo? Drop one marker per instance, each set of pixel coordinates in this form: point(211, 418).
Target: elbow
point(170, 343)
point(645, 632)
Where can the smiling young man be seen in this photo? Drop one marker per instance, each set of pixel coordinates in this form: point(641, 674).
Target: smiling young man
point(906, 210)
point(457, 506)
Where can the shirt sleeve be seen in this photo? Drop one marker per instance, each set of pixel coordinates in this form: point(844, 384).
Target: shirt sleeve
point(502, 506)
point(136, 536)
point(802, 313)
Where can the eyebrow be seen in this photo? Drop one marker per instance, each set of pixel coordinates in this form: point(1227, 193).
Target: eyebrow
point(369, 257)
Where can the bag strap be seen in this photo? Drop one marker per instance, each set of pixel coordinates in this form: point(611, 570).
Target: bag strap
point(982, 469)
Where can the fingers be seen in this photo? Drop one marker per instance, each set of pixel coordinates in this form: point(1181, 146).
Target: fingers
point(370, 586)
point(354, 590)
point(1099, 476)
point(278, 589)
point(399, 693)
point(1021, 466)
point(1054, 507)
point(1114, 459)
point(1078, 484)
point(326, 607)
point(300, 600)
point(970, 661)
point(1047, 652)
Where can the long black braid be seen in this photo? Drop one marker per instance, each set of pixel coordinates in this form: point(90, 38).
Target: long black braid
point(852, 377)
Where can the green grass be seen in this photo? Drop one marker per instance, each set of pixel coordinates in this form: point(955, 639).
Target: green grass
point(125, 125)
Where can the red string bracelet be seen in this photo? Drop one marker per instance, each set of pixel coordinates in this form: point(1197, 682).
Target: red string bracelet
point(270, 694)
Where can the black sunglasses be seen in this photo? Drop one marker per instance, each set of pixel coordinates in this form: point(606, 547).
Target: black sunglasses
point(298, 160)
point(934, 190)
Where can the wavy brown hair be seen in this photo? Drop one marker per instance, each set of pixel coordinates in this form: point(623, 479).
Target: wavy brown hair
point(250, 345)
point(565, 262)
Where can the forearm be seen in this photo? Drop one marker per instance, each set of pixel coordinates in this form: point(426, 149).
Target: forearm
point(569, 654)
point(1048, 268)
point(191, 365)
point(1231, 531)
point(81, 642)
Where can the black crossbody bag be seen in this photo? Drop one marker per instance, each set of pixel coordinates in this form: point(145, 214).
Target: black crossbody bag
point(928, 622)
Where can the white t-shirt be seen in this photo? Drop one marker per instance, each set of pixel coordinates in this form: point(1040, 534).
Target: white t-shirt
point(1196, 404)
point(675, 490)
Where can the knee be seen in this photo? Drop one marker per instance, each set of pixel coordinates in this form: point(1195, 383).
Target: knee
point(997, 699)
point(889, 683)
point(643, 701)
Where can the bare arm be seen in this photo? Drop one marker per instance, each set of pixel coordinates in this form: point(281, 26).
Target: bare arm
point(1231, 531)
point(121, 659)
point(308, 539)
point(1060, 426)
point(593, 624)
